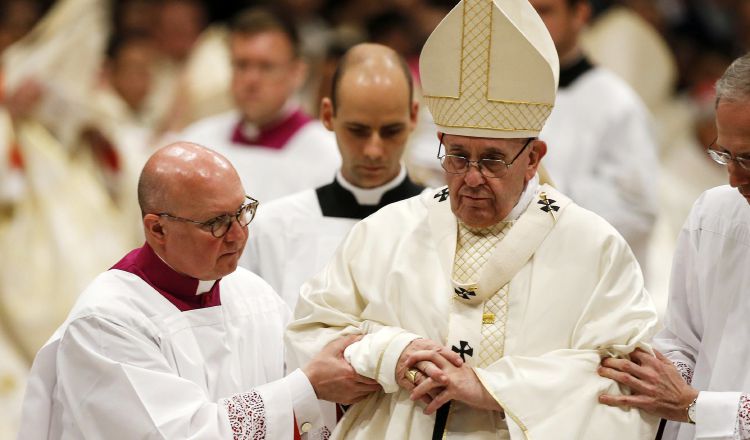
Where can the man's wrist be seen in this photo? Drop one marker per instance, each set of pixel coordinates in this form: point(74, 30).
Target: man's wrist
point(691, 410)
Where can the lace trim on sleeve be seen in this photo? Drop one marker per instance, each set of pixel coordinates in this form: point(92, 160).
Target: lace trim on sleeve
point(742, 428)
point(686, 371)
point(247, 416)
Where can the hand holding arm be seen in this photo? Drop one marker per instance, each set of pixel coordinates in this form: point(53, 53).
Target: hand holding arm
point(656, 385)
point(332, 377)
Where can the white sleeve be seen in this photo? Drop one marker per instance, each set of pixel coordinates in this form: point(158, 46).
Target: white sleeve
point(716, 415)
point(376, 355)
point(106, 371)
point(555, 394)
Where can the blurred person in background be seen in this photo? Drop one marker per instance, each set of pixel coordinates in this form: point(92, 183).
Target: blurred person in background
point(372, 114)
point(603, 152)
point(275, 146)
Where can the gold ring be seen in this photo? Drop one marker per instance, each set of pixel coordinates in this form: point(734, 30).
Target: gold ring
point(411, 374)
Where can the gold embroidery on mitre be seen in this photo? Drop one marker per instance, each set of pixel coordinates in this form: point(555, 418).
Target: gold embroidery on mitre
point(473, 108)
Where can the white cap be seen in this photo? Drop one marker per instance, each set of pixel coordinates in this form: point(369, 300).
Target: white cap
point(490, 69)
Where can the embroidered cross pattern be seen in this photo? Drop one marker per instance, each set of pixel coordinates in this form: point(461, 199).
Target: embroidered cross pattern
point(464, 350)
point(464, 293)
point(548, 205)
point(442, 194)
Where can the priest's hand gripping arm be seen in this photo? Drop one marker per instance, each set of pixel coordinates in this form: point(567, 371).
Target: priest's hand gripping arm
point(334, 379)
point(655, 383)
point(659, 387)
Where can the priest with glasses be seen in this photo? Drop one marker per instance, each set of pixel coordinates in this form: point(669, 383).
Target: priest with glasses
point(175, 341)
point(487, 305)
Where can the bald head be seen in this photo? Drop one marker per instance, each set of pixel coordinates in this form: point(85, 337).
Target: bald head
point(370, 63)
point(175, 174)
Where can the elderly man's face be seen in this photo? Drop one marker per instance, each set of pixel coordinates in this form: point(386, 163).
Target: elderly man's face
point(265, 74)
point(733, 128)
point(193, 250)
point(481, 201)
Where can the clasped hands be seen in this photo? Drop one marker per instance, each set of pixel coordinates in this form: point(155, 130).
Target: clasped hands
point(439, 376)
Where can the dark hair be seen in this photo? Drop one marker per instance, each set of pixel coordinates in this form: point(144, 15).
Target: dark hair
point(346, 61)
point(118, 42)
point(258, 19)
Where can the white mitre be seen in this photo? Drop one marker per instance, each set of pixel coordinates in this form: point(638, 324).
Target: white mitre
point(490, 69)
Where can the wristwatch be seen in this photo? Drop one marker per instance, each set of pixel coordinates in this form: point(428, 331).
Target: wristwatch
point(691, 411)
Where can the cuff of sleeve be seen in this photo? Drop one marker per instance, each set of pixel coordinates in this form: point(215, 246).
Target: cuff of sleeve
point(716, 414)
point(391, 355)
point(304, 401)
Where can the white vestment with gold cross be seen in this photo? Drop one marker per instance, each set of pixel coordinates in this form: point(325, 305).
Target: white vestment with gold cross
point(560, 283)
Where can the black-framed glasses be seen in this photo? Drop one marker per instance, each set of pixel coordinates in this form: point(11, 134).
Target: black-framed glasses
point(724, 157)
point(492, 168)
point(219, 226)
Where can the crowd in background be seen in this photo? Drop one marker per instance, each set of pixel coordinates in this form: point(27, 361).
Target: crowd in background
point(88, 89)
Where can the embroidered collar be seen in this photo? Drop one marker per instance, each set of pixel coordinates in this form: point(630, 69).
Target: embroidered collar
point(274, 136)
point(338, 201)
point(184, 292)
point(569, 74)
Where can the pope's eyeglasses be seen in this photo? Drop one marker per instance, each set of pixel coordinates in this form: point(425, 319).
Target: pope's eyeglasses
point(492, 168)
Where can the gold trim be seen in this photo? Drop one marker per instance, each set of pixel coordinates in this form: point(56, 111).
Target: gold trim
point(461, 66)
point(442, 97)
point(507, 101)
point(486, 128)
point(505, 408)
point(500, 101)
point(489, 55)
point(488, 318)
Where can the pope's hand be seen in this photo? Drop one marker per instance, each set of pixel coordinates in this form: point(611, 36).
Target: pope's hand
point(460, 382)
point(332, 377)
point(424, 369)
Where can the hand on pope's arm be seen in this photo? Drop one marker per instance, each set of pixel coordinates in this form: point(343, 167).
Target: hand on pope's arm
point(656, 385)
point(460, 382)
point(332, 377)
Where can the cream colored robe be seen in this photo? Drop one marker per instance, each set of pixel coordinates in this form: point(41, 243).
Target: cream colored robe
point(576, 294)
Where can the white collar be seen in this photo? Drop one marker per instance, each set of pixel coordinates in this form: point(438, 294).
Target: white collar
point(527, 196)
point(371, 196)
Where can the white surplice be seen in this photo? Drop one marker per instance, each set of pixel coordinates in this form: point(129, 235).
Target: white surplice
point(706, 325)
point(309, 159)
point(602, 153)
point(575, 294)
point(292, 239)
point(128, 364)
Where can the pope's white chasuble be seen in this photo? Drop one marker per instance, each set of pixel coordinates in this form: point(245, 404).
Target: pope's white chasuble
point(574, 294)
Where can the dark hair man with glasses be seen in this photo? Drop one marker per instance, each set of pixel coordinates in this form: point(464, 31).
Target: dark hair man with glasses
point(175, 340)
point(701, 383)
point(487, 305)
point(275, 146)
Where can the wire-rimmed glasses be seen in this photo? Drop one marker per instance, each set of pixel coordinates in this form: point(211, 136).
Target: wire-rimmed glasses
point(492, 168)
point(219, 226)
